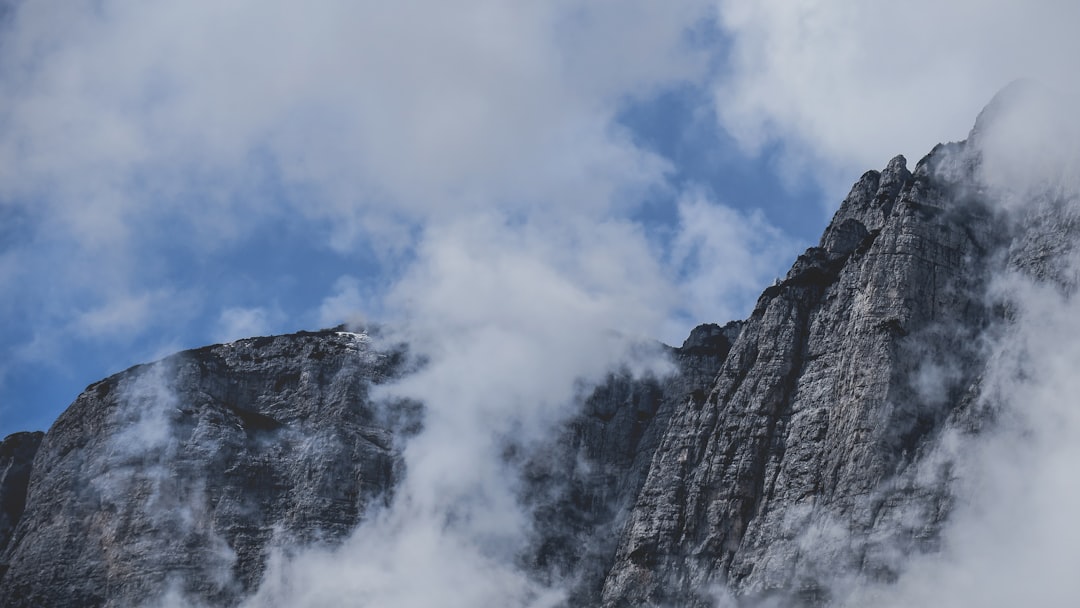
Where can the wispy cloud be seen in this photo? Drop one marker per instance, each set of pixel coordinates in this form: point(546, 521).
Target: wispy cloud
point(477, 146)
point(514, 322)
point(414, 110)
point(240, 322)
point(140, 141)
point(346, 304)
point(1011, 537)
point(846, 85)
point(722, 258)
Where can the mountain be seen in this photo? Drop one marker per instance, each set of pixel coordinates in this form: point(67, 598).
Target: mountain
point(813, 425)
point(788, 457)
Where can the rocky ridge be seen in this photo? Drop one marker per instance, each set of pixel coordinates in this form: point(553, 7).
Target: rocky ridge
point(184, 473)
point(794, 466)
point(787, 457)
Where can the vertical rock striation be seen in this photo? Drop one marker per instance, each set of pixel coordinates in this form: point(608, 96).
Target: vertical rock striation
point(788, 456)
point(182, 475)
point(790, 472)
point(581, 488)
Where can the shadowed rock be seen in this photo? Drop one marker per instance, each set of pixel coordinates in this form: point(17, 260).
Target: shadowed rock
point(187, 472)
point(16, 454)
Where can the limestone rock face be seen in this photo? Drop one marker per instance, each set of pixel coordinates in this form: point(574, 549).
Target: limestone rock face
point(582, 488)
point(183, 474)
point(793, 468)
point(788, 454)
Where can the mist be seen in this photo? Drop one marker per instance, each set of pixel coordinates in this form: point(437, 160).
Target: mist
point(1012, 536)
point(475, 156)
point(514, 332)
point(1009, 439)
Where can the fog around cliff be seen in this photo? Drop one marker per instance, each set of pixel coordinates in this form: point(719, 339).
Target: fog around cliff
point(172, 176)
point(1012, 537)
point(505, 368)
point(475, 156)
point(508, 372)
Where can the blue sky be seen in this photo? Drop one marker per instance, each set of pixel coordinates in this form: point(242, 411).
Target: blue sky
point(177, 174)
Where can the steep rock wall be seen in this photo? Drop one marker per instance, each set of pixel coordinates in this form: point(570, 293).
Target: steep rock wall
point(789, 455)
point(785, 477)
point(183, 474)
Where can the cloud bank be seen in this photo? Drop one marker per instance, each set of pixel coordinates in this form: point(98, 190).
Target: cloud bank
point(475, 151)
point(513, 337)
point(843, 87)
point(1012, 536)
point(147, 149)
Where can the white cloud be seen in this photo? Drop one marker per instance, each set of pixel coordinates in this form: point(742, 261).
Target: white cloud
point(1029, 141)
point(848, 85)
point(122, 314)
point(135, 134)
point(240, 322)
point(476, 141)
point(515, 321)
point(345, 305)
point(490, 269)
point(1011, 535)
point(481, 139)
point(411, 109)
point(113, 320)
point(723, 258)
point(136, 469)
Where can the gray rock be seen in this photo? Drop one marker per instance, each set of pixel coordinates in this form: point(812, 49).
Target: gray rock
point(790, 456)
point(790, 473)
point(186, 472)
point(16, 453)
point(581, 488)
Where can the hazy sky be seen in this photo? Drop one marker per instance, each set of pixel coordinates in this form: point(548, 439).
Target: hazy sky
point(179, 173)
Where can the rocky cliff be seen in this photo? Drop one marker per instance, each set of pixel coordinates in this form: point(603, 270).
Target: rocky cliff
point(181, 473)
point(792, 468)
point(788, 455)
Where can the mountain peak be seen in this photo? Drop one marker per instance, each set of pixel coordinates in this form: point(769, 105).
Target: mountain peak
point(789, 455)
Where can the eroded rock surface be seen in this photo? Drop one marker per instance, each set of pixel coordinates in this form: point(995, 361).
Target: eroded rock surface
point(583, 487)
point(183, 474)
point(793, 469)
point(789, 454)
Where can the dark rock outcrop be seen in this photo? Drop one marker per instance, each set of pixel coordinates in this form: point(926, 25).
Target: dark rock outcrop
point(790, 474)
point(16, 453)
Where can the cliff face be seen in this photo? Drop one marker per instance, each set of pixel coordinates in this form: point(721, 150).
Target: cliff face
point(792, 470)
point(183, 473)
point(789, 454)
point(16, 455)
point(599, 463)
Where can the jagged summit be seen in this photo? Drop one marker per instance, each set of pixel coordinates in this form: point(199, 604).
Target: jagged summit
point(709, 337)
